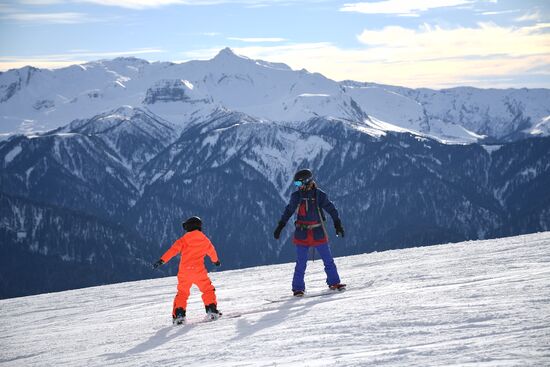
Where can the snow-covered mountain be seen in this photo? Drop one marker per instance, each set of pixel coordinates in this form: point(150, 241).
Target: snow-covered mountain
point(38, 99)
point(129, 168)
point(458, 114)
point(138, 147)
point(472, 303)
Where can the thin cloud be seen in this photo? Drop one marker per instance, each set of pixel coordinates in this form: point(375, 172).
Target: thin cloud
point(399, 64)
point(529, 16)
point(53, 61)
point(427, 42)
point(500, 12)
point(6, 9)
point(40, 2)
point(50, 18)
point(257, 39)
point(147, 4)
point(401, 7)
point(136, 4)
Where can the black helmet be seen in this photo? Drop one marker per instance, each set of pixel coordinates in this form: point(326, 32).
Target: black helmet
point(303, 177)
point(192, 224)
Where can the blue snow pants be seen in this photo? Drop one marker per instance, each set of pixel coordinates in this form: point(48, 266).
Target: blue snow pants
point(298, 283)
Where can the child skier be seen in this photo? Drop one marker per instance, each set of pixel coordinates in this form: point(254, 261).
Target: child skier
point(193, 247)
point(308, 202)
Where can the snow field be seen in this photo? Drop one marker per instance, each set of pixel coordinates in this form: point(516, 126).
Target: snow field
point(481, 303)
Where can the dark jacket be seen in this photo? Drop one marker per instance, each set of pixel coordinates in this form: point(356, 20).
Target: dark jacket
point(305, 204)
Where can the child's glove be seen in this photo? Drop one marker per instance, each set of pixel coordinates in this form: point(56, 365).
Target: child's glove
point(217, 263)
point(158, 263)
point(339, 228)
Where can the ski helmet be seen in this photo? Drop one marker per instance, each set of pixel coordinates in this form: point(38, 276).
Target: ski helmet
point(303, 177)
point(192, 224)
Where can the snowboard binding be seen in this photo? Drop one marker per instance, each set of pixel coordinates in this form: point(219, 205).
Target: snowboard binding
point(212, 312)
point(337, 287)
point(298, 293)
point(179, 316)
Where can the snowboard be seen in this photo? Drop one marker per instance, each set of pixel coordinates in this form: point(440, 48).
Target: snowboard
point(325, 292)
point(313, 294)
point(206, 319)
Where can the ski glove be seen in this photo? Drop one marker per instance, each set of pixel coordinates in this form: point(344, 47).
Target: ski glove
point(217, 263)
point(278, 230)
point(339, 228)
point(158, 263)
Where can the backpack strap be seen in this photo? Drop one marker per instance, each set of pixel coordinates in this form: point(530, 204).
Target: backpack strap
point(321, 216)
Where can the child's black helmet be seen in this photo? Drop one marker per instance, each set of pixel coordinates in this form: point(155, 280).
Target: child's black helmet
point(305, 176)
point(192, 224)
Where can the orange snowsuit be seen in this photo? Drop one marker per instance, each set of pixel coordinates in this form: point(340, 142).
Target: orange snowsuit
point(193, 247)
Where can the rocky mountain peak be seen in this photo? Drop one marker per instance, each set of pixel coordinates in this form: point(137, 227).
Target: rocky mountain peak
point(228, 53)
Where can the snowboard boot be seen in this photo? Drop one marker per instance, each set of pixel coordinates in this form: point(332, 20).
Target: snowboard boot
point(212, 312)
point(337, 287)
point(298, 293)
point(179, 316)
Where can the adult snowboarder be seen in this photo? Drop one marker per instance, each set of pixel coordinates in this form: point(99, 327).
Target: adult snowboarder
point(193, 247)
point(309, 202)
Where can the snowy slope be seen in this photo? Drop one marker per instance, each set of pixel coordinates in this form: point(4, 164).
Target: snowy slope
point(483, 303)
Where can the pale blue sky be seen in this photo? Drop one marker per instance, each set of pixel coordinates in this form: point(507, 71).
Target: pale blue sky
point(430, 43)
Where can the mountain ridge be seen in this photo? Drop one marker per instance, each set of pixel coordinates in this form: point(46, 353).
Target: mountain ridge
point(263, 90)
point(393, 189)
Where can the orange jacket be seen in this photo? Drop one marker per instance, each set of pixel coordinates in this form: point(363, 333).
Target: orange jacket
point(193, 247)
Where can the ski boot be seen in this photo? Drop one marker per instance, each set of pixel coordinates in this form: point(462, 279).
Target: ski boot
point(337, 287)
point(179, 316)
point(212, 312)
point(298, 293)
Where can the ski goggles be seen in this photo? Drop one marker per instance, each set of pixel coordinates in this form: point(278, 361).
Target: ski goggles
point(298, 183)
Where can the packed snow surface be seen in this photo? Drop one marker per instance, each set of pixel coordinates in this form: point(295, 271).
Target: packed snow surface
point(480, 303)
